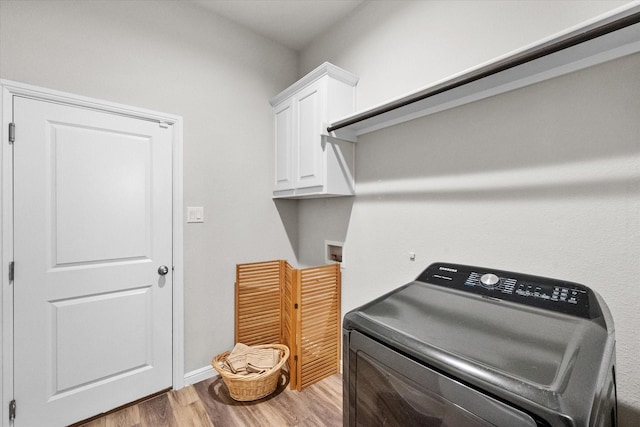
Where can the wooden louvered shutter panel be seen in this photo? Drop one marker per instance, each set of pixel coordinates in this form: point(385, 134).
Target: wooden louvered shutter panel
point(258, 303)
point(319, 325)
point(289, 322)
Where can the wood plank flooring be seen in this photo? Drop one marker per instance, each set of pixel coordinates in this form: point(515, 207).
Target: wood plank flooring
point(208, 404)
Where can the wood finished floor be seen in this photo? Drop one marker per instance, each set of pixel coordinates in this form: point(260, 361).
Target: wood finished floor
point(208, 404)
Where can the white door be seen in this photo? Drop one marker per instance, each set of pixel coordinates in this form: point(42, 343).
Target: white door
point(92, 226)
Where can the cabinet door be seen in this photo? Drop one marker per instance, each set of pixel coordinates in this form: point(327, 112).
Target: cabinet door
point(283, 115)
point(310, 152)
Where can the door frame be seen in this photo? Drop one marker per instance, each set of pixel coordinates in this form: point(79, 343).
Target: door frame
point(8, 90)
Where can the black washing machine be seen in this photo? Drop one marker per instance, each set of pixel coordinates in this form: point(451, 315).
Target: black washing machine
point(473, 346)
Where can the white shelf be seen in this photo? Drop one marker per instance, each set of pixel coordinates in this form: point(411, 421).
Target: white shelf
point(484, 81)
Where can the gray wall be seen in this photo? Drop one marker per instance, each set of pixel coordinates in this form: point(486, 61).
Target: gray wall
point(544, 180)
point(177, 58)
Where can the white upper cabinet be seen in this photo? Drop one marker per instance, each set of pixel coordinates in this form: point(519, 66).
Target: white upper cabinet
point(308, 161)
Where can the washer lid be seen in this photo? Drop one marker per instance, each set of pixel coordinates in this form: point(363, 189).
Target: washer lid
point(485, 340)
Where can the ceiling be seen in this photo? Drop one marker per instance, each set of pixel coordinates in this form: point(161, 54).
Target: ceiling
point(292, 23)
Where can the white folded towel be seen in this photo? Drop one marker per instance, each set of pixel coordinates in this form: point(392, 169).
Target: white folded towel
point(244, 359)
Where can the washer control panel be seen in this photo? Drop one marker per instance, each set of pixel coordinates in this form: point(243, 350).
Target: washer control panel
point(551, 294)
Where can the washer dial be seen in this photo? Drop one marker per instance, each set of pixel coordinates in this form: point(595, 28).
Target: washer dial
point(489, 280)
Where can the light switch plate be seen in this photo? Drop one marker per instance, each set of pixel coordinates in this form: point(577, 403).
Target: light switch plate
point(195, 214)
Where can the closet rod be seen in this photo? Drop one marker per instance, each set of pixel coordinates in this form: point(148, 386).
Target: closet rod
point(529, 55)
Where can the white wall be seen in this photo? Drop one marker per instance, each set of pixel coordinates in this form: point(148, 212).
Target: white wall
point(177, 58)
point(543, 180)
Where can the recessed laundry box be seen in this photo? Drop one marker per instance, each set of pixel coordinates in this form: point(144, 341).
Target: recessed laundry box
point(473, 346)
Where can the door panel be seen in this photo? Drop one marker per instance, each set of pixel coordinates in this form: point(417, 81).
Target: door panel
point(284, 146)
point(97, 321)
point(110, 174)
point(310, 150)
point(92, 224)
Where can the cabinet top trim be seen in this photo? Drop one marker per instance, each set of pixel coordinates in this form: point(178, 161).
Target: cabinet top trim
point(325, 69)
point(602, 39)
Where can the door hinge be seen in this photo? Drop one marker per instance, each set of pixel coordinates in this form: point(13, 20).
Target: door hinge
point(12, 133)
point(12, 410)
point(12, 268)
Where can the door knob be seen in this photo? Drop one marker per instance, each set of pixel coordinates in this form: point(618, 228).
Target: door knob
point(162, 270)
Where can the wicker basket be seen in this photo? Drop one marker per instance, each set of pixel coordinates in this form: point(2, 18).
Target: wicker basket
point(246, 388)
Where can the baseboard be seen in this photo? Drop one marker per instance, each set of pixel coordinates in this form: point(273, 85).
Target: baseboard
point(198, 375)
